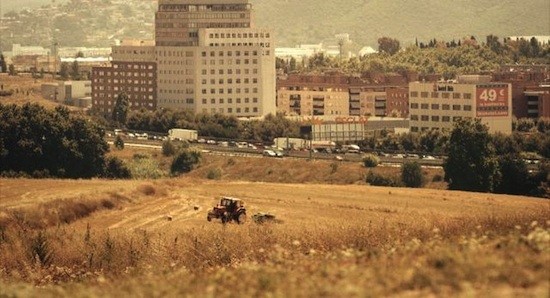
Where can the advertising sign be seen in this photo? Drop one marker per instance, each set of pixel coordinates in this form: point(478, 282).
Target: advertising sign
point(492, 101)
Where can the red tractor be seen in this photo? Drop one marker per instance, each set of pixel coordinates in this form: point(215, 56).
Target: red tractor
point(227, 210)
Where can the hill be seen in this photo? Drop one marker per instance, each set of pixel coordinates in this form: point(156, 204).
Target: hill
point(308, 21)
point(143, 238)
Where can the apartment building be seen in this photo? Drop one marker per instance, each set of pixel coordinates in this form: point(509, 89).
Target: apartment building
point(207, 57)
point(439, 105)
point(528, 88)
point(341, 95)
point(211, 59)
point(133, 71)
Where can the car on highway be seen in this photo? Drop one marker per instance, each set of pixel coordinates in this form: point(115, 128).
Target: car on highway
point(269, 153)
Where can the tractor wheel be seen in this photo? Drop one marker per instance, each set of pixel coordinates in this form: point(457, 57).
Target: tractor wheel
point(225, 219)
point(209, 218)
point(241, 218)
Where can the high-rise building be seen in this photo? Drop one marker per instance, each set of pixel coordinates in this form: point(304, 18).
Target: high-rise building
point(208, 58)
point(211, 58)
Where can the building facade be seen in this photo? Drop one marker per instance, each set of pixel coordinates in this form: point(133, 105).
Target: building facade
point(439, 105)
point(207, 57)
point(133, 71)
point(211, 59)
point(341, 95)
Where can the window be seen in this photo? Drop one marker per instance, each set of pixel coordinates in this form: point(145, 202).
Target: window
point(467, 108)
point(456, 107)
point(445, 95)
point(414, 94)
point(212, 100)
point(424, 94)
point(435, 106)
point(424, 106)
point(204, 101)
point(414, 117)
point(229, 110)
point(221, 100)
point(456, 95)
point(424, 118)
point(446, 107)
point(467, 95)
point(435, 118)
point(414, 106)
point(445, 118)
point(435, 95)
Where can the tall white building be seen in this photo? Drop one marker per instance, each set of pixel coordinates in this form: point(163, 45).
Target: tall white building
point(211, 59)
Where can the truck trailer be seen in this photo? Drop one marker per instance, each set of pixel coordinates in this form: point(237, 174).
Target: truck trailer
point(183, 134)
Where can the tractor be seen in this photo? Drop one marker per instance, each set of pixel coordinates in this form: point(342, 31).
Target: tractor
point(227, 210)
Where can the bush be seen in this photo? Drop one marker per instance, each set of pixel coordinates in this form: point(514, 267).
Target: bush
point(185, 162)
point(437, 178)
point(119, 143)
point(411, 174)
point(168, 148)
point(116, 169)
point(370, 161)
point(380, 180)
point(214, 174)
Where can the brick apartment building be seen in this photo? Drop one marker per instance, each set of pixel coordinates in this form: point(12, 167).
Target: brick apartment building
point(335, 94)
point(530, 89)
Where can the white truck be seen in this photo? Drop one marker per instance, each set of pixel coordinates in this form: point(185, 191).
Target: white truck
point(180, 134)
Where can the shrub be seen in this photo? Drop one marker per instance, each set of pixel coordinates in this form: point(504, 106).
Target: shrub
point(437, 178)
point(116, 169)
point(144, 167)
point(333, 167)
point(380, 180)
point(185, 162)
point(370, 161)
point(411, 174)
point(119, 143)
point(214, 174)
point(168, 148)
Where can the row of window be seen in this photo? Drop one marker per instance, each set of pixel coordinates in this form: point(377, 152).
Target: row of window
point(436, 106)
point(229, 61)
point(176, 72)
point(445, 95)
point(230, 90)
point(123, 81)
point(141, 100)
point(177, 91)
point(177, 62)
point(124, 88)
point(133, 66)
point(436, 118)
point(230, 81)
point(229, 53)
point(102, 74)
point(186, 81)
point(229, 100)
point(230, 110)
point(239, 35)
point(229, 71)
point(177, 101)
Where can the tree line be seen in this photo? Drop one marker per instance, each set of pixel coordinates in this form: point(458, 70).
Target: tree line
point(38, 142)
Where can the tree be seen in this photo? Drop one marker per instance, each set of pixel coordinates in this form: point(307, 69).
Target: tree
point(411, 174)
point(388, 45)
point(34, 139)
point(515, 175)
point(119, 143)
point(471, 163)
point(3, 66)
point(11, 70)
point(120, 110)
point(64, 71)
point(75, 71)
point(185, 162)
point(168, 148)
point(116, 169)
point(370, 161)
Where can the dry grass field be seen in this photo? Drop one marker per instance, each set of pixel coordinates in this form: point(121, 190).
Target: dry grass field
point(151, 238)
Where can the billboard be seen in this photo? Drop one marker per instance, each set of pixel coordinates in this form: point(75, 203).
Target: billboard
point(492, 101)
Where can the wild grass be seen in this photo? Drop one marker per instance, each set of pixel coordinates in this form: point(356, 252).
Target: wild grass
point(350, 258)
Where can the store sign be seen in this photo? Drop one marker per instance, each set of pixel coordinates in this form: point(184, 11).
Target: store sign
point(492, 101)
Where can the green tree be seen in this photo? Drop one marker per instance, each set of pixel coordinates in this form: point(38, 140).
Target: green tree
point(11, 70)
point(119, 143)
point(370, 161)
point(120, 110)
point(64, 71)
point(168, 148)
point(471, 164)
point(411, 174)
point(3, 66)
point(75, 71)
point(116, 169)
point(388, 45)
point(515, 175)
point(185, 162)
